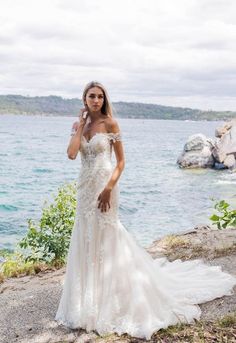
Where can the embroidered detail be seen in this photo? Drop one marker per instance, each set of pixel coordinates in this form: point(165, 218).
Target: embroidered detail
point(73, 131)
point(115, 137)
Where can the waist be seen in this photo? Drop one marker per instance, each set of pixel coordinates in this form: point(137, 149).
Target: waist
point(90, 168)
point(93, 177)
point(96, 162)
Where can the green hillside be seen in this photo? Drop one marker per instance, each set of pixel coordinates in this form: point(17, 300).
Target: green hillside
point(58, 106)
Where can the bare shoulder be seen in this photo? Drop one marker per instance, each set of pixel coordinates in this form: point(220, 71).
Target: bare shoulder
point(112, 125)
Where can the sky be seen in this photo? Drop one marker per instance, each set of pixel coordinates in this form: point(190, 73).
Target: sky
point(168, 52)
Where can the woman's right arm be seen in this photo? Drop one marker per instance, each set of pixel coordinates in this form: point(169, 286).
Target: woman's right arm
point(75, 141)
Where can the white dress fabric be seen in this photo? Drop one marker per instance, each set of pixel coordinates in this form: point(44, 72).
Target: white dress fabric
point(111, 284)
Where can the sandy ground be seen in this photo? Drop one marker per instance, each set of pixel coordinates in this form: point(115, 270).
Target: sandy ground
point(28, 304)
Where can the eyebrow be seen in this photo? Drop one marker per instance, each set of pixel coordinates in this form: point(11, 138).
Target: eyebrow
point(95, 94)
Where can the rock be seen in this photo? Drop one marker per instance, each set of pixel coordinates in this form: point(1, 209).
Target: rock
point(197, 152)
point(230, 161)
point(220, 131)
point(195, 142)
point(202, 152)
point(204, 241)
point(219, 166)
point(225, 146)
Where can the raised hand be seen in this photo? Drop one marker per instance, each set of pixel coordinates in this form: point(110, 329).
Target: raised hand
point(83, 116)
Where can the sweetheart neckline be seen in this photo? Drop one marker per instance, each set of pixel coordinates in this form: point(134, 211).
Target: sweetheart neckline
point(97, 133)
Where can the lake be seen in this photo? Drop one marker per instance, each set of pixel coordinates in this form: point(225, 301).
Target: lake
point(156, 196)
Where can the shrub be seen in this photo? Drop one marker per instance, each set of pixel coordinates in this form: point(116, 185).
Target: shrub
point(48, 240)
point(227, 217)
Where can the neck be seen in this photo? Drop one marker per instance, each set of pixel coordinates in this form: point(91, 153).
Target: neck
point(95, 115)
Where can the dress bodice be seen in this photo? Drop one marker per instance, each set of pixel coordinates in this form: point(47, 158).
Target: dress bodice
point(98, 150)
point(96, 170)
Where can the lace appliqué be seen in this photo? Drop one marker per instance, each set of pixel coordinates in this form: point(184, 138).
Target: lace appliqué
point(73, 132)
point(115, 137)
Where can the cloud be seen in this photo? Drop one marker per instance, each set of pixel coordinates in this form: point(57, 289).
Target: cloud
point(171, 52)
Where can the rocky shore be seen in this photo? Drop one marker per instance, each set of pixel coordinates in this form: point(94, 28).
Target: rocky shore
point(202, 152)
point(28, 304)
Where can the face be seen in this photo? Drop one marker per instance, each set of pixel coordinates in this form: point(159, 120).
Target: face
point(94, 99)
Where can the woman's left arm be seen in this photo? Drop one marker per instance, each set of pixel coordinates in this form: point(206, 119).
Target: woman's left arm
point(120, 158)
point(104, 197)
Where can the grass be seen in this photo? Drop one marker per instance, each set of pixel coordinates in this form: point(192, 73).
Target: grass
point(185, 248)
point(176, 248)
point(14, 265)
point(226, 250)
point(220, 331)
point(172, 241)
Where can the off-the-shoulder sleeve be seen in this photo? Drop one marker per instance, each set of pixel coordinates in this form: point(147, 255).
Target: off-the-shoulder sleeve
point(73, 132)
point(115, 137)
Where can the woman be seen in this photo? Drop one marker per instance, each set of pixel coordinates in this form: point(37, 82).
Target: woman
point(111, 284)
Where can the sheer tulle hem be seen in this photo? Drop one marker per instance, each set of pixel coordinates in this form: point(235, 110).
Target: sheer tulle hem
point(127, 326)
point(184, 311)
point(136, 294)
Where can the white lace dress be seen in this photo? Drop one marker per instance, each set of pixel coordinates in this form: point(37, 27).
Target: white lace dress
point(112, 284)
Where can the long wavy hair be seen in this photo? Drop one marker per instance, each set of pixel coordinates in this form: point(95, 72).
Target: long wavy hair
point(107, 106)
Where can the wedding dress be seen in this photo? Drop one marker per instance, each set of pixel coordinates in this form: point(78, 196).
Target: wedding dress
point(111, 284)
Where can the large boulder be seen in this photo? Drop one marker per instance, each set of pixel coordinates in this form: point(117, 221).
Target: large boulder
point(224, 151)
point(197, 152)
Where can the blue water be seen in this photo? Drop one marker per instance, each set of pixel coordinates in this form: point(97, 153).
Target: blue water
point(157, 197)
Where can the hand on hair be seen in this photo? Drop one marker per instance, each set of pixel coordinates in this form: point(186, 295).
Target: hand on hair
point(83, 116)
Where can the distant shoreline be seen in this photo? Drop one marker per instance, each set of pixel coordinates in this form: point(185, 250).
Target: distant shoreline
point(57, 106)
point(116, 116)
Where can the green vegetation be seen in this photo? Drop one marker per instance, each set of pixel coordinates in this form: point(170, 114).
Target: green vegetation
point(201, 331)
point(49, 240)
point(16, 265)
point(39, 105)
point(58, 106)
point(227, 217)
point(46, 243)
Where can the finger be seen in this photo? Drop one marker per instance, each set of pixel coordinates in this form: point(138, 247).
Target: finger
point(100, 205)
point(103, 207)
